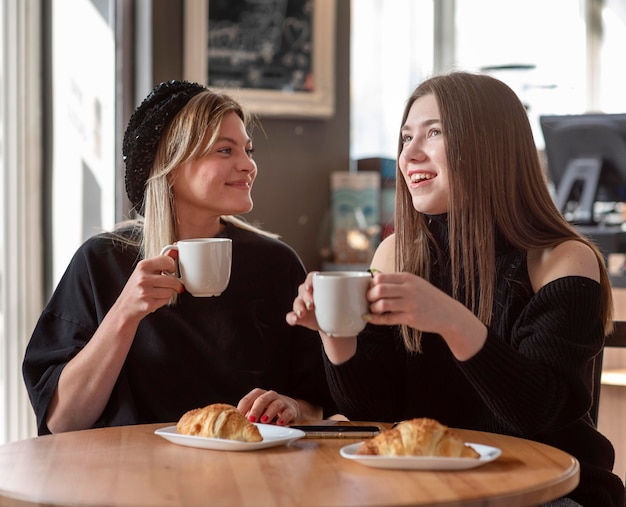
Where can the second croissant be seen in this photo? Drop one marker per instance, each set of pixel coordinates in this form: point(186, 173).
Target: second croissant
point(418, 437)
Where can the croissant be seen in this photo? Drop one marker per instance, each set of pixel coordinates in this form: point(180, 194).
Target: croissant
point(219, 420)
point(418, 437)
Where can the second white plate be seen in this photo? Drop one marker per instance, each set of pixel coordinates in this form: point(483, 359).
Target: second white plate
point(487, 454)
point(272, 436)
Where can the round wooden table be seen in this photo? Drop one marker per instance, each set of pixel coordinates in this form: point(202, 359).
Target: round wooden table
point(131, 466)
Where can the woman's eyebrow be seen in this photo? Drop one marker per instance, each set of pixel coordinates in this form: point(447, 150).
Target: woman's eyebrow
point(226, 139)
point(232, 141)
point(425, 123)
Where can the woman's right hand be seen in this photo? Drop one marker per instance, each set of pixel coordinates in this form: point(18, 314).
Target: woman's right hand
point(149, 286)
point(338, 350)
point(303, 312)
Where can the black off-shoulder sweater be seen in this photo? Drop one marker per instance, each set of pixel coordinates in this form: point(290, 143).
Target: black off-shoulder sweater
point(532, 378)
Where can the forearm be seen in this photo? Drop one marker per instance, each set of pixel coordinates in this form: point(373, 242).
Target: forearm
point(366, 386)
point(86, 382)
point(463, 332)
point(338, 350)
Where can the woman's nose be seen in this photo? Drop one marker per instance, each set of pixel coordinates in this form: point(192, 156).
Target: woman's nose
point(247, 164)
point(413, 151)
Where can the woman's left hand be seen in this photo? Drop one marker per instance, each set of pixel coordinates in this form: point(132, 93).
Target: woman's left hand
point(404, 298)
point(269, 407)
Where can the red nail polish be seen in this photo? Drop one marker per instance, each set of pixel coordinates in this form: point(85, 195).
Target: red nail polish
point(281, 422)
point(265, 419)
point(252, 418)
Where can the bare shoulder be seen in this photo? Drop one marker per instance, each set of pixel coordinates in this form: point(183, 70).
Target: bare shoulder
point(385, 256)
point(569, 258)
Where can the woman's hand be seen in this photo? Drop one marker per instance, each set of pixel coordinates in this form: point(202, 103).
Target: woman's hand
point(338, 350)
point(303, 312)
point(269, 407)
point(404, 298)
point(149, 287)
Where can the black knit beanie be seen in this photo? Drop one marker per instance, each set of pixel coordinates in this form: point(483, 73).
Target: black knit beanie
point(144, 131)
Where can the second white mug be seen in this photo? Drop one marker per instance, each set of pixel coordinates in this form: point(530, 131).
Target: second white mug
point(340, 299)
point(204, 264)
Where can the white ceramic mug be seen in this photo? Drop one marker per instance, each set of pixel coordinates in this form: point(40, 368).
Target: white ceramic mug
point(340, 299)
point(204, 264)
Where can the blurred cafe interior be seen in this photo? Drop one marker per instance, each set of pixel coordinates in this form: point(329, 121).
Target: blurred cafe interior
point(72, 71)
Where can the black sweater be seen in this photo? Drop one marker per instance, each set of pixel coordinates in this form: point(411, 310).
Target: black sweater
point(532, 378)
point(200, 351)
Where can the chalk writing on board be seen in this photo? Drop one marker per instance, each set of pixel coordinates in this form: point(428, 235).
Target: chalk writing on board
point(261, 44)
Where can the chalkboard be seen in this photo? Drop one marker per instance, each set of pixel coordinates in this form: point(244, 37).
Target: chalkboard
point(261, 44)
point(277, 57)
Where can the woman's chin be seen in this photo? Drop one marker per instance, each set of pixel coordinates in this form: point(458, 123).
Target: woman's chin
point(428, 208)
point(241, 210)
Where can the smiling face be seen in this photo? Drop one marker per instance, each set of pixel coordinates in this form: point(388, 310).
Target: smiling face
point(218, 183)
point(423, 160)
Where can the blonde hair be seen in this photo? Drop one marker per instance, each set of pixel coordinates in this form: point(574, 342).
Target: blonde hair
point(497, 186)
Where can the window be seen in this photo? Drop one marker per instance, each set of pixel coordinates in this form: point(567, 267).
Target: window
point(83, 169)
point(560, 56)
point(536, 47)
point(20, 210)
point(391, 51)
point(612, 79)
point(82, 126)
point(3, 123)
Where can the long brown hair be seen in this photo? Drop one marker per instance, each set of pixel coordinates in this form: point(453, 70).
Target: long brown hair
point(497, 186)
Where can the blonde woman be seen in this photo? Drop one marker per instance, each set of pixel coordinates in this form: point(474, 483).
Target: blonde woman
point(120, 343)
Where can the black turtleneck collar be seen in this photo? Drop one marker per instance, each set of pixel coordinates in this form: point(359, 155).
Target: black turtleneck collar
point(438, 226)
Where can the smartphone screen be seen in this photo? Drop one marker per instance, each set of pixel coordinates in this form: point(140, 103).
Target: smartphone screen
point(358, 431)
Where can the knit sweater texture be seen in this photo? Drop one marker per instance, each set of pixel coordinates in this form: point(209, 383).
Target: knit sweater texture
point(532, 378)
point(200, 351)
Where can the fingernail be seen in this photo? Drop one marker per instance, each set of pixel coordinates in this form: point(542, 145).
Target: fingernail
point(281, 422)
point(265, 419)
point(182, 289)
point(367, 317)
point(307, 304)
point(299, 313)
point(252, 418)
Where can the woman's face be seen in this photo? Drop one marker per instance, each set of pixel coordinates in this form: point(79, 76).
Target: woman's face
point(220, 182)
point(423, 159)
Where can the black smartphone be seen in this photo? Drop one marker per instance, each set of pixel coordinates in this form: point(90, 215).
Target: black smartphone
point(357, 431)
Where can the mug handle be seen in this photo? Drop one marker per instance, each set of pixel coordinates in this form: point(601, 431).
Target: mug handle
point(166, 249)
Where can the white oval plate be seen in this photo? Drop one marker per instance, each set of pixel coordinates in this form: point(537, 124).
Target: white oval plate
point(272, 436)
point(487, 454)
